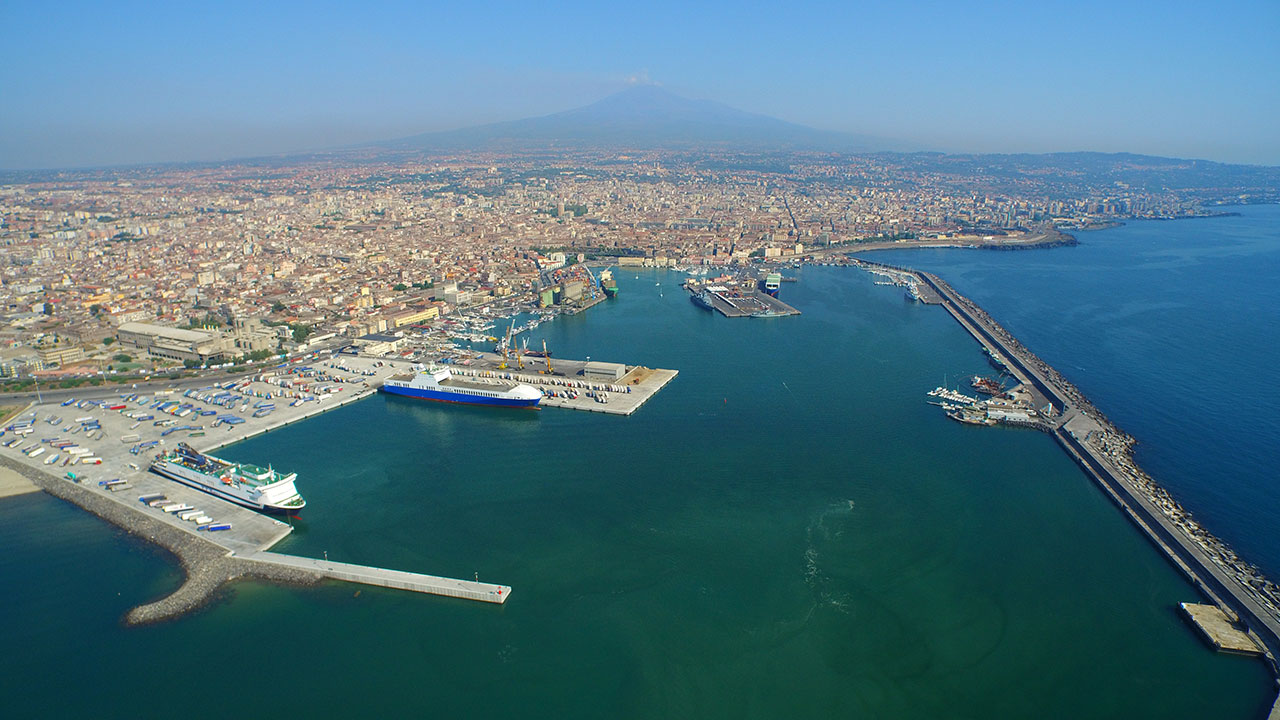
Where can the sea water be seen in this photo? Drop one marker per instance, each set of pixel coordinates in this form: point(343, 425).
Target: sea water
point(788, 529)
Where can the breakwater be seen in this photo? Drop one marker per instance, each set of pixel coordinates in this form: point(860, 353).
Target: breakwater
point(205, 565)
point(210, 560)
point(1105, 453)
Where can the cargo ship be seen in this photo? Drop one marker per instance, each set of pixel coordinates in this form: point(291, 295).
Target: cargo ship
point(439, 384)
point(250, 485)
point(608, 284)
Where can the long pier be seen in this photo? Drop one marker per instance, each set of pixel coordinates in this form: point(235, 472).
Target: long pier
point(398, 579)
point(1075, 429)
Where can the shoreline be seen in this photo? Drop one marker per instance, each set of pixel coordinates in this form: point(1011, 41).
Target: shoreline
point(1042, 241)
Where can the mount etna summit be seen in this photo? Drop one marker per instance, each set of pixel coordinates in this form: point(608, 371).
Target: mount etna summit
point(646, 116)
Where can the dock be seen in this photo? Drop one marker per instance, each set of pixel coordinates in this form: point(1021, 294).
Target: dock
point(294, 392)
point(749, 304)
point(398, 579)
point(1218, 629)
point(622, 395)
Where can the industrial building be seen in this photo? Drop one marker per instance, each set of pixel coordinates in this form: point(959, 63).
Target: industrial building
point(201, 346)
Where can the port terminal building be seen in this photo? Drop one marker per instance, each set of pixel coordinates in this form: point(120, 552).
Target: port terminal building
point(605, 371)
point(203, 346)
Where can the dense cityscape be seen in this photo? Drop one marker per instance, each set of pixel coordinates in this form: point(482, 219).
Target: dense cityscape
point(268, 257)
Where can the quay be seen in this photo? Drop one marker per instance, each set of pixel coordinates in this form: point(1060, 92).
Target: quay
point(738, 299)
point(622, 389)
point(1245, 599)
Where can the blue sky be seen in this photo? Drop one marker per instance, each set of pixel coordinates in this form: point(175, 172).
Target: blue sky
point(86, 84)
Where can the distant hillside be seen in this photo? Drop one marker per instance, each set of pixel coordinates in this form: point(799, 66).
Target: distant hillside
point(645, 116)
point(1140, 172)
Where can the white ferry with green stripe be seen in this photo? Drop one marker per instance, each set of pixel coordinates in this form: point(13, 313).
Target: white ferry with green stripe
point(250, 485)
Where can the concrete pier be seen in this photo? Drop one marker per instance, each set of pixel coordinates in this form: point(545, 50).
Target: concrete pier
point(398, 579)
point(621, 396)
point(1218, 629)
point(750, 304)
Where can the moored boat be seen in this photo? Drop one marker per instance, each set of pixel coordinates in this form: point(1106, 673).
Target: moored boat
point(255, 487)
point(439, 384)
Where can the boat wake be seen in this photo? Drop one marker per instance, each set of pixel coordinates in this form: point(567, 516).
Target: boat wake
point(822, 533)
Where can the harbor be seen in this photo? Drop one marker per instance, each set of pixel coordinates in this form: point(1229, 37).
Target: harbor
point(98, 450)
point(1248, 602)
point(446, 491)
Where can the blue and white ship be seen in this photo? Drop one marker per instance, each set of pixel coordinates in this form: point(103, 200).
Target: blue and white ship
point(438, 384)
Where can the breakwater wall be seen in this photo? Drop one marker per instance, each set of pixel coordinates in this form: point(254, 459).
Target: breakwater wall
point(205, 565)
point(1105, 454)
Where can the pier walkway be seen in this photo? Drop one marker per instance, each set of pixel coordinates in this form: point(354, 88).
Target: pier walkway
point(398, 579)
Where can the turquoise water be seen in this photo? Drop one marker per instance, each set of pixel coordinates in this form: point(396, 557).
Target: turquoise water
point(787, 529)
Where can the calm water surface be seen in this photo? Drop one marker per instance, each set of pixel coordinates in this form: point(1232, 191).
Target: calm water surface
point(788, 529)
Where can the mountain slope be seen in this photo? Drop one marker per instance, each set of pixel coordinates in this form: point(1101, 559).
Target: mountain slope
point(644, 116)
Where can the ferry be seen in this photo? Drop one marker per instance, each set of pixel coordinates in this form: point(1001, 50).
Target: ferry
point(772, 282)
point(439, 384)
point(249, 485)
point(608, 284)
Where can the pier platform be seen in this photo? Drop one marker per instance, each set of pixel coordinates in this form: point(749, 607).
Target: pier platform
point(623, 395)
point(752, 304)
point(1218, 629)
point(398, 579)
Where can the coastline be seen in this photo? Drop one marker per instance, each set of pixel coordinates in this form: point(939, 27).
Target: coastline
point(1041, 241)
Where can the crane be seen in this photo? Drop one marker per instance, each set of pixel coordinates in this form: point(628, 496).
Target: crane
point(505, 346)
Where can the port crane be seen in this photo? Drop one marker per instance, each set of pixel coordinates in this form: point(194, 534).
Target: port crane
point(504, 347)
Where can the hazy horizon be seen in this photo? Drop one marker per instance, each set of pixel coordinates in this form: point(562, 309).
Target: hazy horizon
point(90, 85)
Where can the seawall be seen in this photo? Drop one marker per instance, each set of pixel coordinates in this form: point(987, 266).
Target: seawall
point(1105, 454)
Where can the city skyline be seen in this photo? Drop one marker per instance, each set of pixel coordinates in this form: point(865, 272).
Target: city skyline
point(133, 84)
